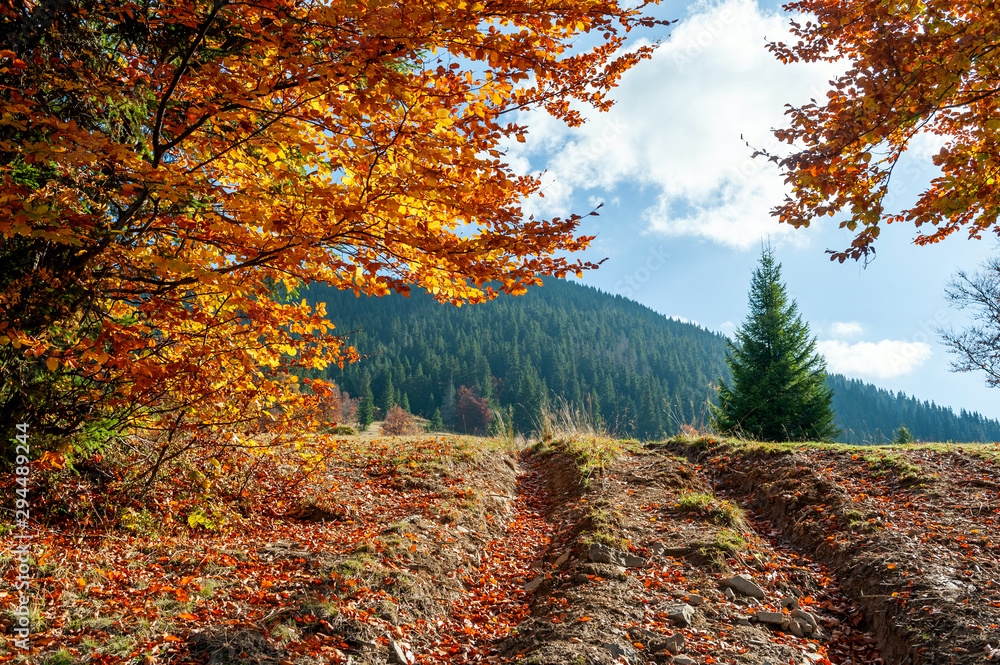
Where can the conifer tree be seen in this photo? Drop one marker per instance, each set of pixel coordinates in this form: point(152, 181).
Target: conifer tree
point(779, 390)
point(388, 397)
point(448, 403)
point(366, 405)
point(902, 436)
point(437, 423)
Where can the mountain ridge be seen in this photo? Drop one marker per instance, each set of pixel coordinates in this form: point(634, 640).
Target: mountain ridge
point(639, 372)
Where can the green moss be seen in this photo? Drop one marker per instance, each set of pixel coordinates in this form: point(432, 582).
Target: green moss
point(882, 464)
point(712, 508)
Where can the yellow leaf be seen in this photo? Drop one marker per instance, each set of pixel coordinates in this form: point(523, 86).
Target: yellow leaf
point(52, 364)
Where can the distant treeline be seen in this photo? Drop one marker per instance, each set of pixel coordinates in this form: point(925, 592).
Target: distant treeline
point(869, 414)
point(638, 373)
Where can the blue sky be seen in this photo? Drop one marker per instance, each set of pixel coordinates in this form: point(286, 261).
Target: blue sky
point(686, 209)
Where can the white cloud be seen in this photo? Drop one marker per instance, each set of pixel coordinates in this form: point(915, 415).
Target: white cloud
point(846, 329)
point(727, 328)
point(680, 128)
point(886, 359)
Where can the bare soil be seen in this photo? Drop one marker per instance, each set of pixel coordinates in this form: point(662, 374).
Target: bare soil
point(452, 549)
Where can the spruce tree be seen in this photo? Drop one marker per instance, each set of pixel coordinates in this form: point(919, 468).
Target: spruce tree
point(779, 390)
point(902, 436)
point(436, 423)
point(388, 397)
point(366, 405)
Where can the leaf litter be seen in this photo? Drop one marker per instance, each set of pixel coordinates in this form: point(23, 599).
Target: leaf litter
point(454, 549)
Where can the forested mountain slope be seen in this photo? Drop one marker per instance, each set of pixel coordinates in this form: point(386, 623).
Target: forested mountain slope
point(640, 373)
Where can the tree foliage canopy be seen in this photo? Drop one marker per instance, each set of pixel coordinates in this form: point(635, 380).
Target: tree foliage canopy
point(171, 173)
point(925, 67)
point(779, 390)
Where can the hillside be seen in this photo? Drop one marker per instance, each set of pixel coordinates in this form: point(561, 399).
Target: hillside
point(641, 374)
point(463, 550)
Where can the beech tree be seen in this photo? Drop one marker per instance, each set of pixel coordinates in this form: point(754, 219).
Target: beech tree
point(779, 390)
point(927, 67)
point(472, 413)
point(171, 172)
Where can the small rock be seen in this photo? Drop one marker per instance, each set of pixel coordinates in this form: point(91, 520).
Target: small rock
point(806, 617)
point(534, 584)
point(796, 629)
point(744, 585)
point(656, 548)
point(602, 554)
point(633, 561)
point(675, 643)
point(729, 594)
point(402, 653)
point(694, 599)
point(684, 660)
point(740, 620)
point(618, 651)
point(563, 558)
point(681, 615)
point(461, 529)
point(789, 601)
point(770, 617)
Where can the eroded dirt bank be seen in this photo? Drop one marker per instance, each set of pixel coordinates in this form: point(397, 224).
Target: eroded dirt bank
point(910, 533)
point(459, 550)
point(647, 566)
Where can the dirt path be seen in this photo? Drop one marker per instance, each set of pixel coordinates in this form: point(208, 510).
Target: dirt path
point(637, 572)
point(493, 600)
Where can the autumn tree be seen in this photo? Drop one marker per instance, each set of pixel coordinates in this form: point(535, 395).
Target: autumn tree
point(398, 422)
point(912, 68)
point(472, 413)
point(168, 170)
point(778, 390)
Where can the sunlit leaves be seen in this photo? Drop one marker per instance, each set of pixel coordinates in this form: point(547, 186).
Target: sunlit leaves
point(928, 68)
point(188, 157)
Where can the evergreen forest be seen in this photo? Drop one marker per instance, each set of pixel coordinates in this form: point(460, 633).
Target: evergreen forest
point(635, 372)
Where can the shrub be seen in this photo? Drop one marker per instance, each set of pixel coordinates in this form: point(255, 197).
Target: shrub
point(398, 422)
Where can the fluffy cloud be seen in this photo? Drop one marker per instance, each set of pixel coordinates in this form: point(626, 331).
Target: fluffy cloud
point(880, 360)
point(681, 127)
point(845, 329)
